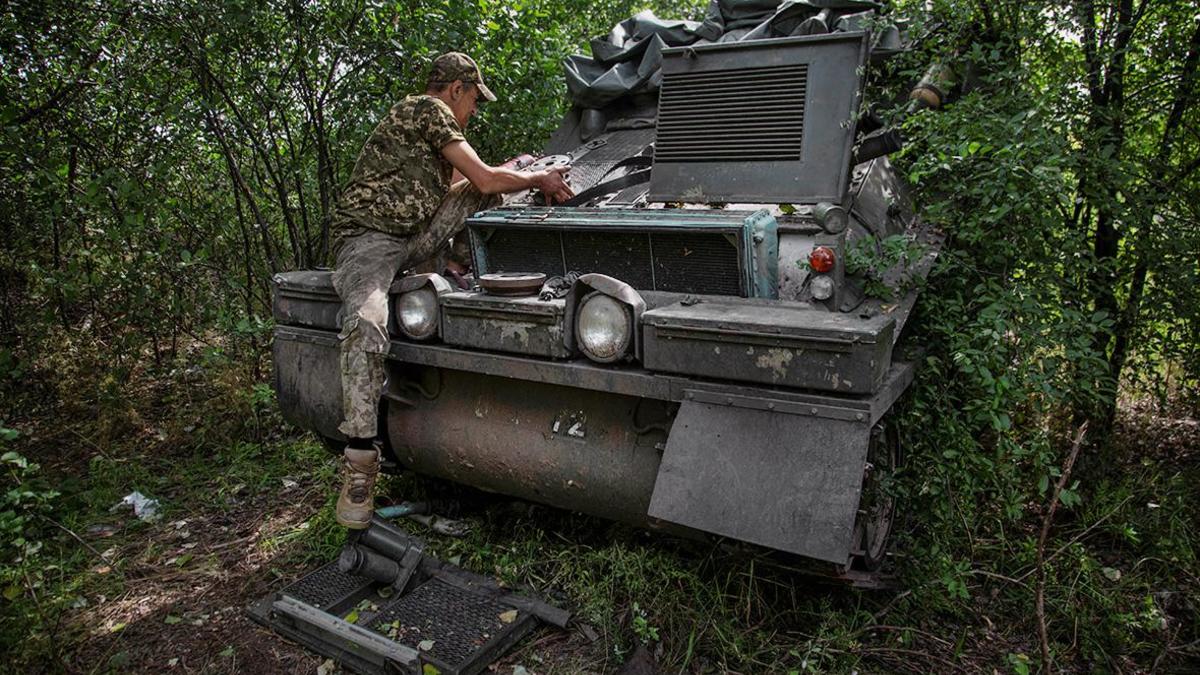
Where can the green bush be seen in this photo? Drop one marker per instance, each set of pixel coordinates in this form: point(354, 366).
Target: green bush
point(24, 507)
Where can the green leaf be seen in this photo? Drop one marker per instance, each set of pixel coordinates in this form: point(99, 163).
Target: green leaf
point(119, 661)
point(1069, 498)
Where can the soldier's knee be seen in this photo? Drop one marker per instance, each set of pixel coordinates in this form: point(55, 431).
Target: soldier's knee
point(374, 309)
point(361, 334)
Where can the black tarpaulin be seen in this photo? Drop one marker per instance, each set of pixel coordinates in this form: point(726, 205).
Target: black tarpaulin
point(627, 60)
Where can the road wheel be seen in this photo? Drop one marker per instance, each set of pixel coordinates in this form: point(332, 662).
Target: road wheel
point(877, 507)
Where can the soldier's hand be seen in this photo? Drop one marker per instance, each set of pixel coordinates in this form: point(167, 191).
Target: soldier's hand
point(553, 184)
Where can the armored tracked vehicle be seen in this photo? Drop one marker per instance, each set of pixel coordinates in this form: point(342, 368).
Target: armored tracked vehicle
point(715, 351)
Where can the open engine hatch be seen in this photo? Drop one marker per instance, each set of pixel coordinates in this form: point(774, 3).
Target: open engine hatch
point(764, 121)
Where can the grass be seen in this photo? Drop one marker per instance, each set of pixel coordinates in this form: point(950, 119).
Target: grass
point(247, 504)
point(710, 608)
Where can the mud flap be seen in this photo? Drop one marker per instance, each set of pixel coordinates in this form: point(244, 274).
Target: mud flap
point(779, 479)
point(439, 619)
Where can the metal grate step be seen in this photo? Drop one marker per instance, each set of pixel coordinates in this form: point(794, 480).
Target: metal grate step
point(327, 588)
point(449, 621)
point(459, 624)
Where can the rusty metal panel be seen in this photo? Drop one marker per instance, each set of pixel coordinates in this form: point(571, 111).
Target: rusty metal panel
point(785, 481)
point(523, 325)
point(589, 451)
point(320, 408)
point(441, 618)
point(596, 159)
point(306, 298)
point(770, 342)
point(308, 379)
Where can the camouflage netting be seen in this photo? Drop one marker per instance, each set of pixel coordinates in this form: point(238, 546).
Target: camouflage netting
point(627, 60)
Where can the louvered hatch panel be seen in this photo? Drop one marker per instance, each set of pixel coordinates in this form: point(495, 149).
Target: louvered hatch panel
point(766, 121)
point(695, 110)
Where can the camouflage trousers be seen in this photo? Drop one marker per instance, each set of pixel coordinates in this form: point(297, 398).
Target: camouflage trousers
point(367, 262)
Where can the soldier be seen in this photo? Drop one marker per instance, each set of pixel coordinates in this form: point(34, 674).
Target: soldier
point(404, 201)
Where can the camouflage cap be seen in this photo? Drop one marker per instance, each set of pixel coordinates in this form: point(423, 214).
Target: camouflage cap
point(454, 66)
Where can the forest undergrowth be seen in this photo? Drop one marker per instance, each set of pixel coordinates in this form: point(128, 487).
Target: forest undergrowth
point(246, 504)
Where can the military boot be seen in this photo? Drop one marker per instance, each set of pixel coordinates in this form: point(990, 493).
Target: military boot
point(356, 503)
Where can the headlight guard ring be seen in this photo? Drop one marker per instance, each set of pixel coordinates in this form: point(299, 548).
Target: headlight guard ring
point(436, 284)
point(614, 288)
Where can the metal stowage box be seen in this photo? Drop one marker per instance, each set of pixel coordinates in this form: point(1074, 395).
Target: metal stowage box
point(523, 325)
point(770, 342)
point(306, 298)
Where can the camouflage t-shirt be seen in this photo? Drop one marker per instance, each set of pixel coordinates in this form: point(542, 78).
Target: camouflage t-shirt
point(400, 177)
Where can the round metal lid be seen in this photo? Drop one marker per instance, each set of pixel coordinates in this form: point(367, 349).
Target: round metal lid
point(549, 162)
point(512, 283)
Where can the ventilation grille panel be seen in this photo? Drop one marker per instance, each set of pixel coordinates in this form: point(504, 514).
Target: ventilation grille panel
point(741, 114)
point(758, 122)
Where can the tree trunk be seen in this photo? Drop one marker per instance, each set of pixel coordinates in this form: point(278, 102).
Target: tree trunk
point(1151, 199)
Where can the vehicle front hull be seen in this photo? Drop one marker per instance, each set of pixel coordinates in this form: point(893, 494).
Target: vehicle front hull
point(770, 466)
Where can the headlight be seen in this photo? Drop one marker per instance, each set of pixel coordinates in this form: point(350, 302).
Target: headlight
point(417, 313)
point(822, 287)
point(603, 328)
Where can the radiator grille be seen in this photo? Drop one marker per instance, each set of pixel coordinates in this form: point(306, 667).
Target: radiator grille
point(742, 114)
point(680, 258)
point(525, 251)
point(679, 262)
point(622, 255)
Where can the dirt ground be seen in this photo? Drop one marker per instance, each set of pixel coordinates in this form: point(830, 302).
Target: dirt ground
point(193, 620)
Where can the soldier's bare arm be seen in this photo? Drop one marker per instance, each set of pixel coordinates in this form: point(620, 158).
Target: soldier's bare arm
point(493, 180)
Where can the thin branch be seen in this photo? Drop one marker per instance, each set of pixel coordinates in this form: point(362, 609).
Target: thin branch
point(77, 538)
point(1081, 535)
point(1040, 605)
